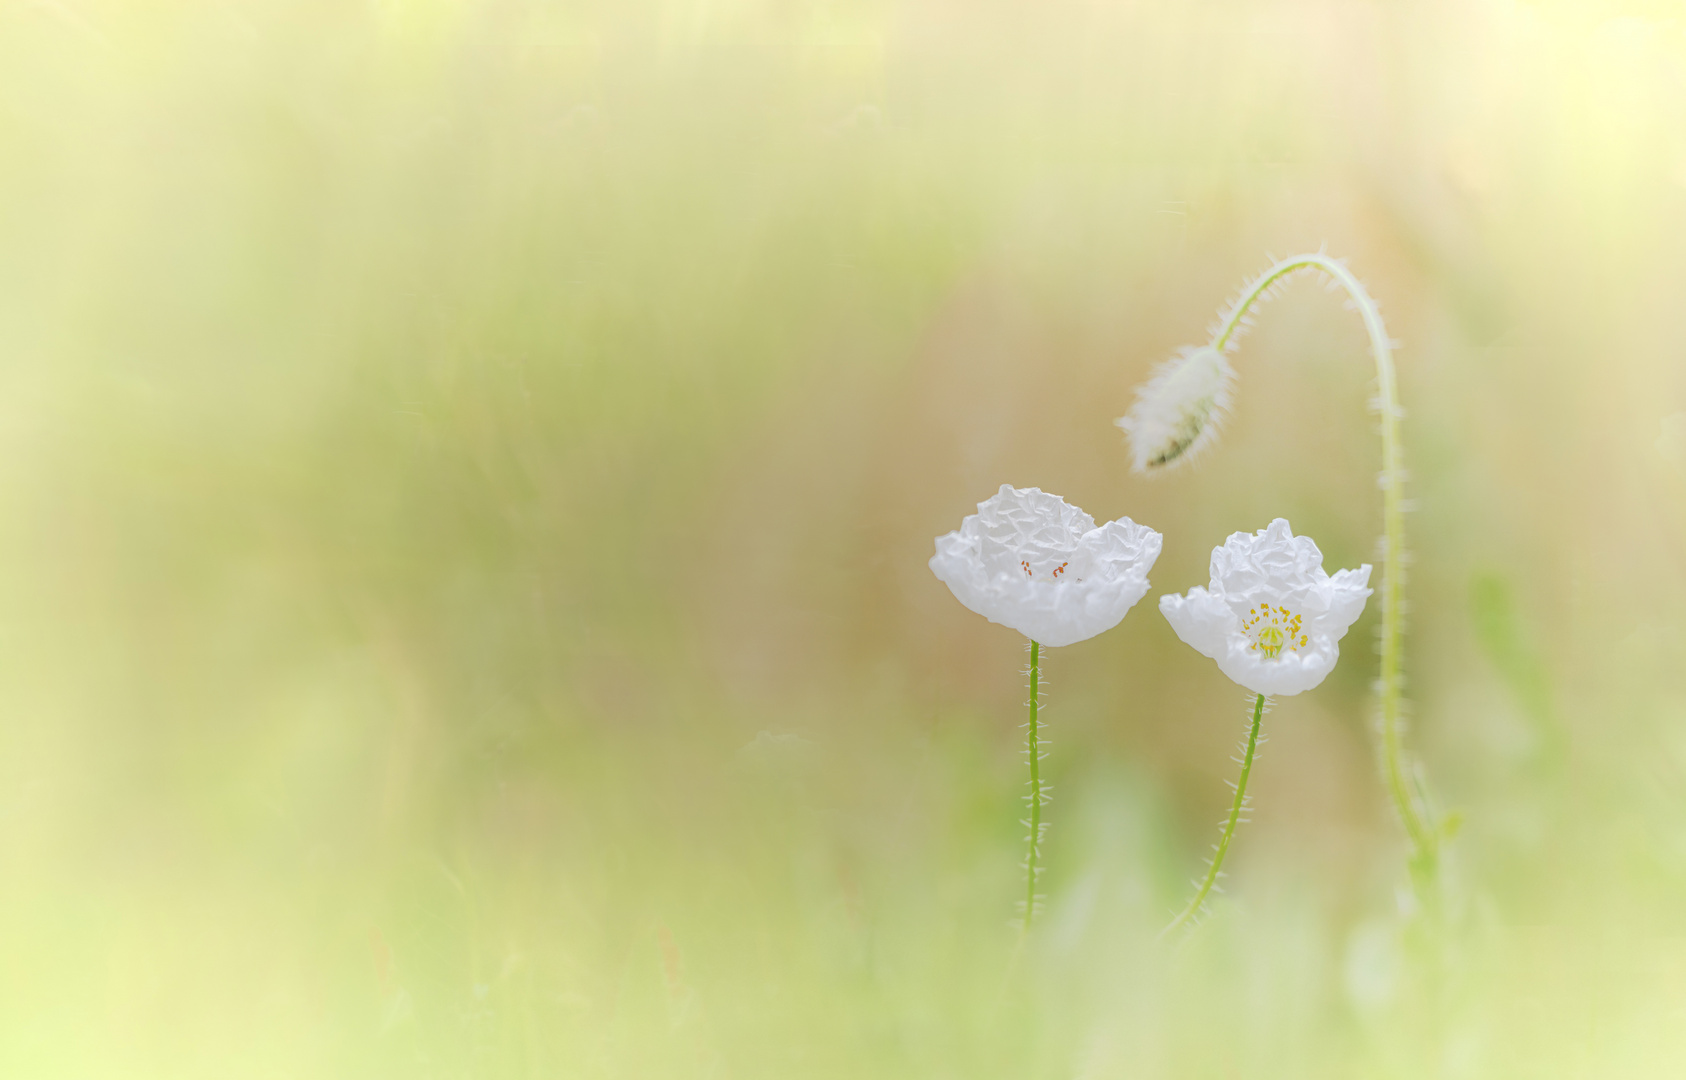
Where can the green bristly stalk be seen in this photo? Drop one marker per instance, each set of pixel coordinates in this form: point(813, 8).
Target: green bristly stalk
point(1229, 824)
point(1402, 784)
point(1034, 823)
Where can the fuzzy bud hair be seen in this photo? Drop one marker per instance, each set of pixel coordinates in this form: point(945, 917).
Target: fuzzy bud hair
point(1178, 411)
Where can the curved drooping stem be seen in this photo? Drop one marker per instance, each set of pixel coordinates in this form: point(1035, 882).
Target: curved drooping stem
point(1035, 754)
point(1412, 813)
point(1205, 887)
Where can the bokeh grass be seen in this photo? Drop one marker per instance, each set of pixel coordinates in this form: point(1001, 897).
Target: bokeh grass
point(468, 470)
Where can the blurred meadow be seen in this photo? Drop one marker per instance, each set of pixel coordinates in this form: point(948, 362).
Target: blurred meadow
point(468, 467)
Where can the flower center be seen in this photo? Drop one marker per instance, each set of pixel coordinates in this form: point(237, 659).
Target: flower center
point(1272, 628)
point(1055, 574)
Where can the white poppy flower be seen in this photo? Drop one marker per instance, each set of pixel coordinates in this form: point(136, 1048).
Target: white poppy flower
point(1033, 562)
point(1271, 617)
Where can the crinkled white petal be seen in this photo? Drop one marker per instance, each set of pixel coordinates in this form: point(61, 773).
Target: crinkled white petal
point(1274, 567)
point(1031, 561)
point(1200, 619)
point(1286, 674)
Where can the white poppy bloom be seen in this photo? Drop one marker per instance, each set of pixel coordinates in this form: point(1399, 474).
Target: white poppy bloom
point(1271, 617)
point(1033, 562)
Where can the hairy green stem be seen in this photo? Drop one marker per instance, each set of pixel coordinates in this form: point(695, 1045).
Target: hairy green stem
point(1413, 814)
point(1235, 809)
point(1034, 750)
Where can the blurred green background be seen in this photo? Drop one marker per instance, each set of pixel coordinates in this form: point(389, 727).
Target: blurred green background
point(467, 469)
